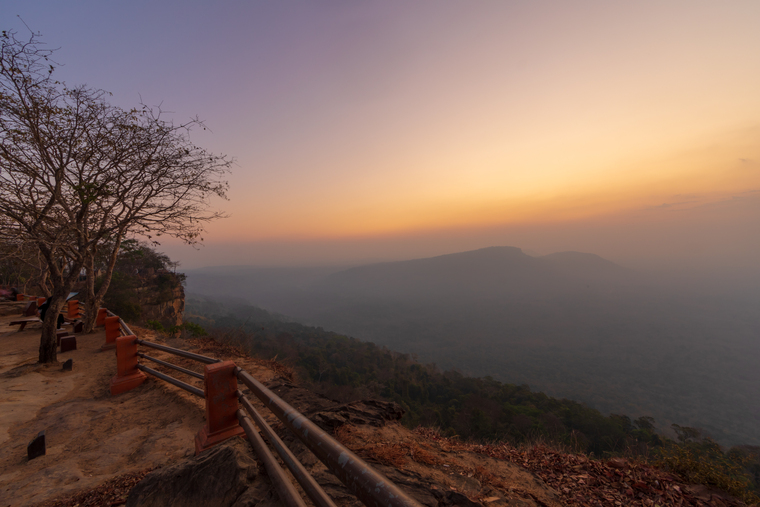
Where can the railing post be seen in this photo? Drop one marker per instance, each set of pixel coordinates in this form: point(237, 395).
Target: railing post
point(112, 332)
point(127, 375)
point(100, 320)
point(73, 310)
point(220, 387)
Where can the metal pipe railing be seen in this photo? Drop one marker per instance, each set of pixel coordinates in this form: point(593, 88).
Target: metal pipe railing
point(178, 352)
point(172, 380)
point(173, 366)
point(307, 482)
point(371, 487)
point(125, 328)
point(285, 489)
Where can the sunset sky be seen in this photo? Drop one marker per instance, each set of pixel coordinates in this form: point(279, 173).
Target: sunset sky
point(387, 130)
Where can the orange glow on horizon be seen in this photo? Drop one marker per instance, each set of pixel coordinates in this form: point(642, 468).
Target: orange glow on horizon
point(554, 195)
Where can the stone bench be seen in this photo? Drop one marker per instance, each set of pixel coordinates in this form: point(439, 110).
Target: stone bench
point(24, 322)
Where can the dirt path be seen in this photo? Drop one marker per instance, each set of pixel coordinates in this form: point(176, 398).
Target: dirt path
point(91, 437)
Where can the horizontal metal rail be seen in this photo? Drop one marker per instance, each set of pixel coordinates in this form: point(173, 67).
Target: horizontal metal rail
point(178, 352)
point(124, 327)
point(307, 482)
point(172, 380)
point(371, 487)
point(172, 366)
point(285, 489)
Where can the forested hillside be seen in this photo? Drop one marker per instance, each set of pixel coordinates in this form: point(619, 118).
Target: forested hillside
point(482, 409)
point(571, 325)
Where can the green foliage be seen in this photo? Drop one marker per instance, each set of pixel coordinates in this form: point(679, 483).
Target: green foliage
point(192, 328)
point(472, 408)
point(156, 326)
point(749, 458)
point(141, 276)
point(700, 460)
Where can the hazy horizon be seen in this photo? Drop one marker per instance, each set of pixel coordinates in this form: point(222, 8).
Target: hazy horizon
point(378, 131)
point(711, 241)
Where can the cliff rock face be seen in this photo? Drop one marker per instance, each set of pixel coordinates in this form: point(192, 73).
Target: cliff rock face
point(168, 309)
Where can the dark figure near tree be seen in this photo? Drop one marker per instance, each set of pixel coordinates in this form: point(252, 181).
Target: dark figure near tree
point(43, 310)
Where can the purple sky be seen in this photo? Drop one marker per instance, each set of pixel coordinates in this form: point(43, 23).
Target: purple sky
point(387, 130)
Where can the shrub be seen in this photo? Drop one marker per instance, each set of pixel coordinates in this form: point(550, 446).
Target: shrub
point(156, 326)
point(703, 462)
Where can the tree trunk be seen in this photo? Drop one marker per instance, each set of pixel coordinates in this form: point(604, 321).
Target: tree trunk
point(48, 341)
point(43, 283)
point(62, 278)
point(92, 304)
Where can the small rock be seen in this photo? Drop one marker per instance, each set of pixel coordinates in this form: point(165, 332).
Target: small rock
point(68, 365)
point(36, 447)
point(617, 463)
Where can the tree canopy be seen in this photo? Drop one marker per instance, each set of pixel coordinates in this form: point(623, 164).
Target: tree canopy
point(78, 175)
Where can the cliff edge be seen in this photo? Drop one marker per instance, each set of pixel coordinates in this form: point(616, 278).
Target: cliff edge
point(100, 447)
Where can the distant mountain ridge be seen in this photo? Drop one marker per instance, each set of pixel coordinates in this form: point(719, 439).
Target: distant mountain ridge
point(569, 324)
point(485, 273)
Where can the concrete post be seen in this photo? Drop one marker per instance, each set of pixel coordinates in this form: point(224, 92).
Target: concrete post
point(112, 332)
point(73, 310)
point(100, 320)
point(127, 375)
point(220, 388)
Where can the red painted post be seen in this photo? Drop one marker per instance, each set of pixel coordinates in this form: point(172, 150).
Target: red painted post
point(127, 375)
point(19, 297)
point(112, 332)
point(100, 320)
point(73, 311)
point(40, 302)
point(220, 387)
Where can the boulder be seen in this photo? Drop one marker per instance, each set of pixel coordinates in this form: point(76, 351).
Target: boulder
point(329, 414)
point(454, 498)
point(365, 412)
point(218, 477)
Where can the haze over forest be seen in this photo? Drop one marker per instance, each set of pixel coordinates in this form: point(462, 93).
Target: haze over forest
point(570, 324)
point(383, 148)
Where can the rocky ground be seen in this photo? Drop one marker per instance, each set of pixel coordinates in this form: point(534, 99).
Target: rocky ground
point(137, 448)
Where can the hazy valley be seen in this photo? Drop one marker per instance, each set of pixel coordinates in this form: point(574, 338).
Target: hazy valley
point(572, 325)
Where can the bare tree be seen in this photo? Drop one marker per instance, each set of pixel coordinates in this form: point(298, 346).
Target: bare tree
point(79, 175)
point(22, 266)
